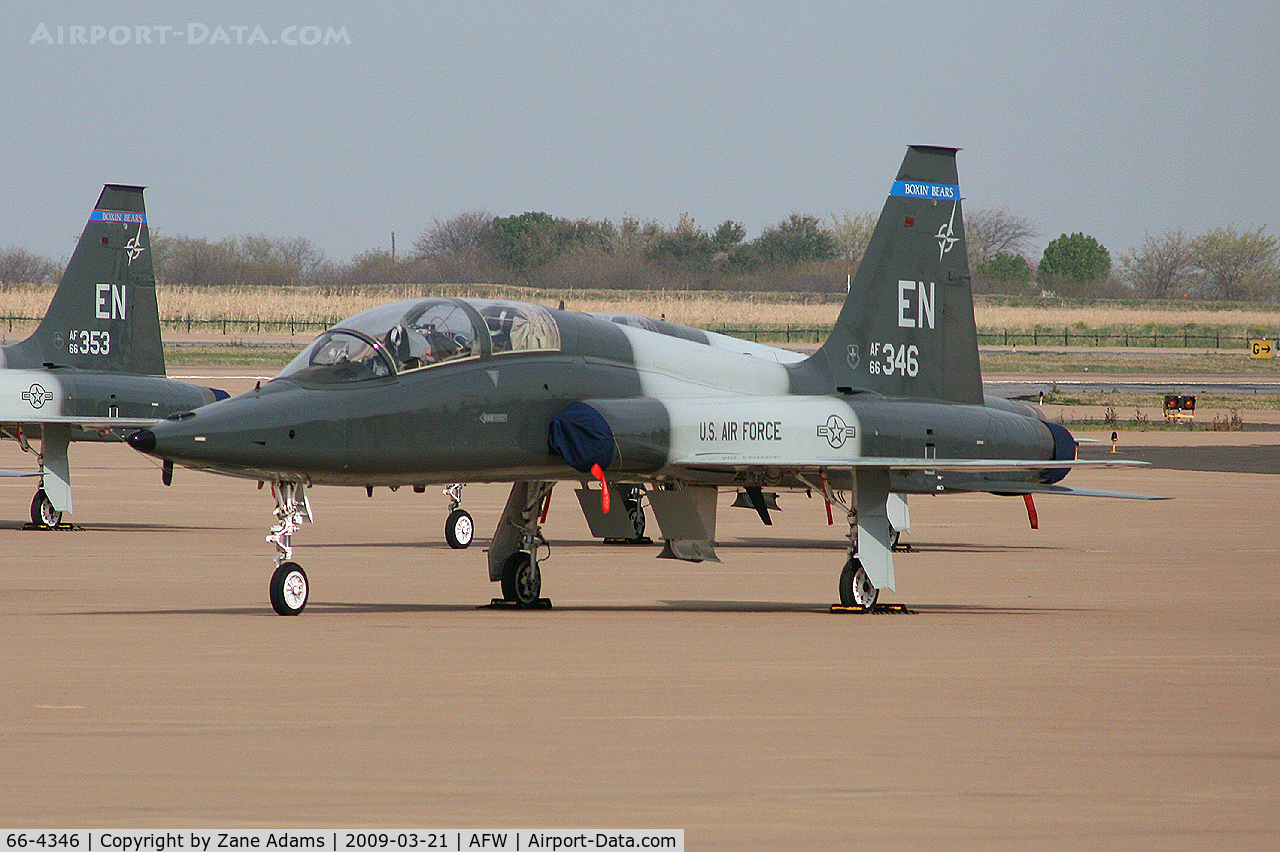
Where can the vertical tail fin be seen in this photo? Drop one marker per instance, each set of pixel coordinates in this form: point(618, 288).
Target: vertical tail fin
point(103, 315)
point(907, 327)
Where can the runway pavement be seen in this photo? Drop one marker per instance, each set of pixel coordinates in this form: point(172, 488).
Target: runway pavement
point(1108, 681)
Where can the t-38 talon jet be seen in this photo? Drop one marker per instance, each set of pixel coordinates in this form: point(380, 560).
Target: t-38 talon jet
point(439, 390)
point(94, 368)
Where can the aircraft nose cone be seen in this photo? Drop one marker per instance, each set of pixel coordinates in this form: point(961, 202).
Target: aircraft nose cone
point(144, 440)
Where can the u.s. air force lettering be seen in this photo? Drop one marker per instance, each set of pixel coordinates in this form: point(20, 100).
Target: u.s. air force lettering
point(740, 430)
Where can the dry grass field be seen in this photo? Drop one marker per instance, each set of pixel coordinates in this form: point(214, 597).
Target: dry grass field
point(696, 308)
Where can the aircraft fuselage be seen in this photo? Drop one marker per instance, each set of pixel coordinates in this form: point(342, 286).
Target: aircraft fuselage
point(667, 400)
point(104, 400)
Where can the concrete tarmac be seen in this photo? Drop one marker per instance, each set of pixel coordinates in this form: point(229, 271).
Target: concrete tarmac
point(1107, 681)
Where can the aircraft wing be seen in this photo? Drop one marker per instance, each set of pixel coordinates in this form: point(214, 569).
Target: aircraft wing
point(89, 424)
point(1042, 488)
point(724, 462)
point(905, 465)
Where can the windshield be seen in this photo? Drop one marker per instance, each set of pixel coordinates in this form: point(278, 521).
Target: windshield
point(339, 356)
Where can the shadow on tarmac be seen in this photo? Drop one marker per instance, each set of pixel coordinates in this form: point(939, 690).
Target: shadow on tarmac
point(322, 608)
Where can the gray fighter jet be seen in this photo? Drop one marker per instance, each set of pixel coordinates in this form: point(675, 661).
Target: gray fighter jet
point(93, 370)
point(439, 390)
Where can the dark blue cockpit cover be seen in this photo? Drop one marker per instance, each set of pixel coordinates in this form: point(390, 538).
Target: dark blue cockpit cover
point(582, 437)
point(1064, 449)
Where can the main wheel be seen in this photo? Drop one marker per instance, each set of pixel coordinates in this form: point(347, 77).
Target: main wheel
point(42, 511)
point(459, 529)
point(634, 510)
point(855, 586)
point(289, 589)
point(521, 579)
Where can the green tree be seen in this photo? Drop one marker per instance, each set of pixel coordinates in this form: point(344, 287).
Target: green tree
point(528, 241)
point(852, 232)
point(1074, 261)
point(1236, 265)
point(685, 244)
point(728, 235)
point(797, 239)
point(1004, 273)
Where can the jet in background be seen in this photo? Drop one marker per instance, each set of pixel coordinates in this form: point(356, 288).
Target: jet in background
point(93, 370)
point(438, 390)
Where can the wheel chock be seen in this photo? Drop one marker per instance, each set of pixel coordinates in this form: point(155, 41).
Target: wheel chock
point(62, 527)
point(877, 609)
point(503, 603)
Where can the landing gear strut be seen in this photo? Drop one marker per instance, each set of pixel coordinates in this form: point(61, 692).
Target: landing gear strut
point(513, 554)
point(53, 497)
point(459, 529)
point(868, 562)
point(289, 585)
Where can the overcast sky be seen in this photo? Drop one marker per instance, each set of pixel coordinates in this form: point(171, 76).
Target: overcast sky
point(1114, 122)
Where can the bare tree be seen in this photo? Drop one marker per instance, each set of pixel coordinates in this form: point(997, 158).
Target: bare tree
point(1162, 268)
point(19, 266)
point(1237, 265)
point(991, 232)
point(301, 254)
point(457, 237)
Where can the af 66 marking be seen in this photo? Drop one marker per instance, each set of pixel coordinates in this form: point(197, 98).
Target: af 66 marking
point(890, 360)
point(83, 341)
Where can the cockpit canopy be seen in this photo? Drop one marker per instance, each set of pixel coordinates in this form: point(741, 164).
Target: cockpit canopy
point(419, 333)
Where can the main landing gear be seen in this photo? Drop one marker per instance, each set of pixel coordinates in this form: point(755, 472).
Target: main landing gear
point(868, 562)
point(459, 529)
point(53, 497)
point(289, 586)
point(513, 554)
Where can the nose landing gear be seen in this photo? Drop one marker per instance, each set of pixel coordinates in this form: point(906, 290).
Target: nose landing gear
point(459, 529)
point(289, 586)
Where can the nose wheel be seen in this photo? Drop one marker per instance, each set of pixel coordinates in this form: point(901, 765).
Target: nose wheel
point(289, 589)
point(459, 529)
